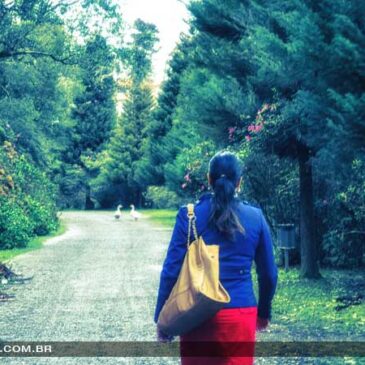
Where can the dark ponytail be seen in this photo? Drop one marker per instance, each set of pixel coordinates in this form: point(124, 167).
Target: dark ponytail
point(224, 174)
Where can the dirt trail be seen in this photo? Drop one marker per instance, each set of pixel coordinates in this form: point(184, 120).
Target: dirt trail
point(95, 282)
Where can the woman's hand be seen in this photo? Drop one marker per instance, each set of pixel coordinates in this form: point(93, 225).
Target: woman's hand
point(261, 324)
point(162, 337)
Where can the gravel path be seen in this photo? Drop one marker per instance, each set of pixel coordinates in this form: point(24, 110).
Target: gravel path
point(96, 282)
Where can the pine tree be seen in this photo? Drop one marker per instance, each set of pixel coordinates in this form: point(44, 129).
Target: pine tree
point(95, 108)
point(94, 112)
point(126, 145)
point(124, 165)
point(159, 149)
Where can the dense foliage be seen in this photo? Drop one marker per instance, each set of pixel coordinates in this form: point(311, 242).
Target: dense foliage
point(27, 199)
point(42, 86)
point(282, 84)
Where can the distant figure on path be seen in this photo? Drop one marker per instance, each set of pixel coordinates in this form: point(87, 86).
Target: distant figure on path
point(244, 237)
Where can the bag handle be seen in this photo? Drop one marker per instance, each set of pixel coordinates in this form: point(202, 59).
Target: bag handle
point(192, 224)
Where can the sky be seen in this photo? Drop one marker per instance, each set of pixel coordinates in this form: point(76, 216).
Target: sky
point(169, 16)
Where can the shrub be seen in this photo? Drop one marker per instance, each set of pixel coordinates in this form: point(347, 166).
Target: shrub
point(27, 199)
point(42, 216)
point(161, 197)
point(344, 212)
point(16, 228)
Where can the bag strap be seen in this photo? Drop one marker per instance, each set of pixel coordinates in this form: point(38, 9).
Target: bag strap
point(192, 224)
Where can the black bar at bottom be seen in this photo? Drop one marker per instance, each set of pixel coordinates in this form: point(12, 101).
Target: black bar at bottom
point(189, 349)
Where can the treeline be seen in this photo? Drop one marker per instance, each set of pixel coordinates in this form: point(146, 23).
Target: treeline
point(281, 83)
point(57, 107)
point(76, 104)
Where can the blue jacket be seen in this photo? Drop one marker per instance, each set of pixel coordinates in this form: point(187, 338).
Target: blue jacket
point(235, 257)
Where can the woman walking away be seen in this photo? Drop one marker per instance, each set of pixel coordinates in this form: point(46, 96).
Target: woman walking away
point(243, 236)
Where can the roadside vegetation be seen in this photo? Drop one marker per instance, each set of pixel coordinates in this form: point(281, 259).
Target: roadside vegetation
point(330, 308)
point(34, 244)
point(165, 217)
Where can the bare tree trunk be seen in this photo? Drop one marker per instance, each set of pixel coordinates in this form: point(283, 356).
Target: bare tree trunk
point(308, 249)
point(139, 198)
point(89, 204)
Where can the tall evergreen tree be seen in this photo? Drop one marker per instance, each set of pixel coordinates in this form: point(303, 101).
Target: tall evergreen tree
point(94, 113)
point(94, 110)
point(158, 148)
point(123, 165)
point(126, 146)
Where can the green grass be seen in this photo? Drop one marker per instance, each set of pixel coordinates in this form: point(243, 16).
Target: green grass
point(35, 244)
point(304, 308)
point(307, 308)
point(165, 217)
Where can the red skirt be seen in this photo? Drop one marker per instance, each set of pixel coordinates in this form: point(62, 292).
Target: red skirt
point(228, 338)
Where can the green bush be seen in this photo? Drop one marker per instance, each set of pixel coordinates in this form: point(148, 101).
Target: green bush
point(16, 228)
point(344, 213)
point(27, 200)
point(341, 250)
point(41, 215)
point(161, 197)
point(71, 185)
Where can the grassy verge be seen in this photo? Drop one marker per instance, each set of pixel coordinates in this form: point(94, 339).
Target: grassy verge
point(305, 308)
point(34, 244)
point(165, 217)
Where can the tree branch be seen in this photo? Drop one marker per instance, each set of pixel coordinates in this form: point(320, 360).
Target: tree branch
point(355, 232)
point(65, 3)
point(8, 54)
point(6, 91)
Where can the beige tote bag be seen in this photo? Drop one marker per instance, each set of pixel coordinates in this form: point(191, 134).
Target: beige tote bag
point(198, 294)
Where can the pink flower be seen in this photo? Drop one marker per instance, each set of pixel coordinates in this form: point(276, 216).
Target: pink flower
point(187, 178)
point(258, 128)
point(248, 138)
point(231, 131)
point(184, 185)
point(255, 128)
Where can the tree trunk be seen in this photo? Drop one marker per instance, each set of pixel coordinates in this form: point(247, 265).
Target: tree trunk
point(308, 249)
point(89, 204)
point(139, 198)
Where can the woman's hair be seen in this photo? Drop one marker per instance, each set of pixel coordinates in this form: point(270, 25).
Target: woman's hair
point(225, 173)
